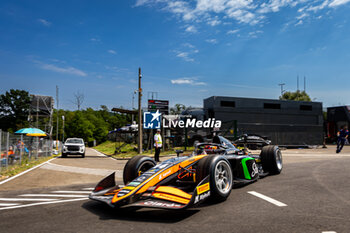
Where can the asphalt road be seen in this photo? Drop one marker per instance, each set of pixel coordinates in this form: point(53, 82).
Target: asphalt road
point(313, 189)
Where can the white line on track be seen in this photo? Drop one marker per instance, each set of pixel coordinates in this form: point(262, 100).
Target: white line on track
point(72, 192)
point(88, 189)
point(22, 173)
point(8, 204)
point(329, 232)
point(27, 199)
point(51, 195)
point(266, 198)
point(43, 203)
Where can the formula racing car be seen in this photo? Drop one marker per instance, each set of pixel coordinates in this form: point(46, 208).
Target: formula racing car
point(210, 172)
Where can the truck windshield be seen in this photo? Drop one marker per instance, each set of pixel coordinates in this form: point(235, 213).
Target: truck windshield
point(75, 141)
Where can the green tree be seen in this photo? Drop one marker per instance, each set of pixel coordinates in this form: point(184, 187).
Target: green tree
point(177, 109)
point(80, 127)
point(297, 96)
point(14, 110)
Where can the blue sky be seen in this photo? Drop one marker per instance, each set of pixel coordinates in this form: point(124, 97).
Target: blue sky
point(188, 50)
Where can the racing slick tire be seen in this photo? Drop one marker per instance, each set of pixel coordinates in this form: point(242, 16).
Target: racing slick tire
point(271, 159)
point(220, 175)
point(64, 155)
point(136, 166)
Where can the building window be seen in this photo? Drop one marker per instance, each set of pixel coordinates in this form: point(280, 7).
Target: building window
point(306, 107)
point(272, 106)
point(230, 104)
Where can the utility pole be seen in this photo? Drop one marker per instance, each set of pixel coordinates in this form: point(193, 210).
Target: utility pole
point(140, 115)
point(63, 129)
point(57, 118)
point(37, 112)
point(282, 84)
point(297, 87)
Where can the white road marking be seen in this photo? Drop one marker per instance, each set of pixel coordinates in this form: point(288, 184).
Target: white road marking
point(329, 232)
point(27, 199)
point(88, 189)
point(43, 203)
point(266, 198)
point(8, 204)
point(81, 170)
point(87, 192)
point(51, 195)
point(22, 173)
point(101, 154)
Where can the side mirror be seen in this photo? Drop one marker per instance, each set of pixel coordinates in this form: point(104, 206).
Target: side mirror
point(178, 152)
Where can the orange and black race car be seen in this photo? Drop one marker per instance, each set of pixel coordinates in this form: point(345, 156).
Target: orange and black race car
point(210, 172)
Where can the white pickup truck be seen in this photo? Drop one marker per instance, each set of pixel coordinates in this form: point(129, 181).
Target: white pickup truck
point(73, 146)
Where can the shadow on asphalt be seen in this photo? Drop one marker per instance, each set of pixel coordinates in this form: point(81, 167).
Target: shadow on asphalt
point(142, 215)
point(79, 156)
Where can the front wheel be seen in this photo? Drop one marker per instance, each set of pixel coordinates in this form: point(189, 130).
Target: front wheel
point(220, 176)
point(83, 155)
point(271, 159)
point(136, 166)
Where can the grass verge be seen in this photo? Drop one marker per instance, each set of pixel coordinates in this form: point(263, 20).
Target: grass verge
point(130, 150)
point(18, 168)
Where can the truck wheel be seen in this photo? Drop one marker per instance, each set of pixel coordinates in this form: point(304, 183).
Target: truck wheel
point(271, 159)
point(220, 176)
point(136, 166)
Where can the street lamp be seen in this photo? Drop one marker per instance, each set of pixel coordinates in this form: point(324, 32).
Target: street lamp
point(133, 99)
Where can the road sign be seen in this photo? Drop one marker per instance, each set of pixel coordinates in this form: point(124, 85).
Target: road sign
point(161, 105)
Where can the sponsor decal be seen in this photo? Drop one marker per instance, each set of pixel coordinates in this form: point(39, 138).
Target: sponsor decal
point(255, 170)
point(203, 188)
point(201, 197)
point(134, 184)
point(129, 187)
point(154, 120)
point(163, 175)
point(123, 192)
point(192, 123)
point(161, 204)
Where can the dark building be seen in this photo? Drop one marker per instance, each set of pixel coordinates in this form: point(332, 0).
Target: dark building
point(336, 118)
point(283, 122)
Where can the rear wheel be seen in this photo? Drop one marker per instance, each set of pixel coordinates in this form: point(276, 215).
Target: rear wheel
point(271, 159)
point(220, 176)
point(136, 166)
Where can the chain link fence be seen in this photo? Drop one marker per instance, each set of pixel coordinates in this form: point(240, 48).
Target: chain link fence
point(16, 149)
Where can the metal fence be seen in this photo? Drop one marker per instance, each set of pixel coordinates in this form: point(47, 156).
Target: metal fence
point(20, 149)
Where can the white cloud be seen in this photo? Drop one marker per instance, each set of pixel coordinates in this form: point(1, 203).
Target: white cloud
point(187, 81)
point(336, 3)
point(191, 29)
point(111, 51)
point(212, 41)
point(66, 70)
point(255, 34)
point(186, 52)
point(185, 56)
point(214, 22)
point(44, 22)
point(251, 12)
point(232, 31)
point(94, 39)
